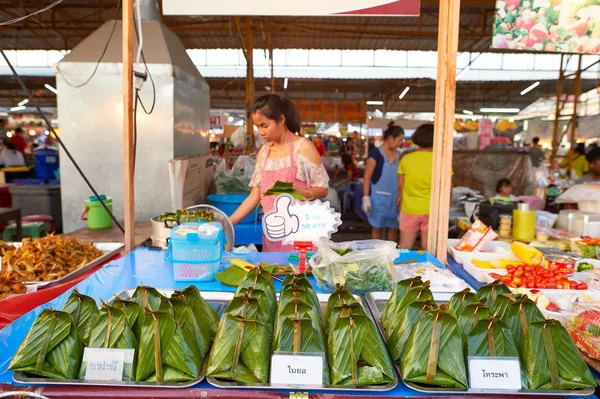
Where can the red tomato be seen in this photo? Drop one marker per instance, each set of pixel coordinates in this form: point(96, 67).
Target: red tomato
point(495, 276)
point(519, 272)
point(551, 285)
point(539, 270)
point(551, 280)
point(510, 269)
point(582, 286)
point(506, 279)
point(540, 285)
point(527, 274)
point(561, 277)
point(528, 268)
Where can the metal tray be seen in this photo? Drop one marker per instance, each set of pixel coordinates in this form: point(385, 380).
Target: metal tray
point(323, 298)
point(377, 301)
point(218, 300)
point(109, 250)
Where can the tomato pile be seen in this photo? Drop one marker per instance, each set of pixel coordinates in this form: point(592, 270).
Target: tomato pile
point(537, 277)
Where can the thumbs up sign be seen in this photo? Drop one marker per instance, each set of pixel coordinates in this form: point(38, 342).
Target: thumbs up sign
point(281, 223)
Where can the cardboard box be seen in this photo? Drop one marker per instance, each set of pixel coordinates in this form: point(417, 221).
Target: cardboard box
point(190, 178)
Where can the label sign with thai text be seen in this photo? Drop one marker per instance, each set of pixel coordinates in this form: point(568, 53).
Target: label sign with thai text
point(297, 370)
point(103, 364)
point(497, 373)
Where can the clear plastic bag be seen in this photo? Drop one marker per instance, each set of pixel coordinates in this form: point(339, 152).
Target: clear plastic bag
point(243, 167)
point(359, 265)
point(584, 328)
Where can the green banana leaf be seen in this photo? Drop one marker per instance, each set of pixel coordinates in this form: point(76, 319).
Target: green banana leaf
point(503, 304)
point(492, 338)
point(206, 315)
point(398, 293)
point(418, 293)
point(297, 304)
point(470, 315)
point(356, 352)
point(167, 352)
point(241, 351)
point(147, 298)
point(134, 313)
point(519, 316)
point(461, 299)
point(285, 188)
point(491, 291)
point(84, 310)
point(552, 361)
point(339, 297)
point(306, 295)
point(258, 283)
point(190, 325)
point(112, 330)
point(52, 347)
point(434, 354)
point(400, 329)
point(233, 276)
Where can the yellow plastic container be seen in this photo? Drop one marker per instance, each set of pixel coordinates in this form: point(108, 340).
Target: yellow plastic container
point(523, 223)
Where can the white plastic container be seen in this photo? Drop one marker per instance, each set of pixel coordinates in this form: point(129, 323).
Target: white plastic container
point(496, 247)
point(482, 275)
point(589, 206)
point(587, 225)
point(566, 219)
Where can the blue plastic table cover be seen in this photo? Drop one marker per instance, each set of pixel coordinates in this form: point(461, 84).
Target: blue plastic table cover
point(150, 268)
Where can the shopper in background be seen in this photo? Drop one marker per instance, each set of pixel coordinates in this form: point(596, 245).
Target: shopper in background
point(536, 153)
point(351, 170)
point(380, 191)
point(414, 184)
point(10, 157)
point(319, 145)
point(593, 157)
point(286, 157)
point(504, 190)
point(580, 163)
point(333, 149)
point(19, 141)
point(348, 147)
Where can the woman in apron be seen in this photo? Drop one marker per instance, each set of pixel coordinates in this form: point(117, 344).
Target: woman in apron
point(286, 157)
point(381, 185)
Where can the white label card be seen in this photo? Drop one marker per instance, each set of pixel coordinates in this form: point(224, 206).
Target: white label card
point(495, 373)
point(297, 370)
point(106, 364)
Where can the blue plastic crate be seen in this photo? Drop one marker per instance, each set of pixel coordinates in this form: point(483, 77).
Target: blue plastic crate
point(195, 256)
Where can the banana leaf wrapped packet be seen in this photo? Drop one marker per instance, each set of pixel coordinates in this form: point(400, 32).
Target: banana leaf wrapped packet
point(84, 310)
point(190, 324)
point(356, 352)
point(551, 359)
point(434, 353)
point(418, 293)
point(470, 316)
point(134, 313)
point(112, 330)
point(339, 297)
point(206, 315)
point(491, 291)
point(147, 298)
point(400, 290)
point(241, 351)
point(166, 351)
point(258, 284)
point(399, 331)
point(519, 314)
point(461, 299)
point(492, 338)
point(52, 347)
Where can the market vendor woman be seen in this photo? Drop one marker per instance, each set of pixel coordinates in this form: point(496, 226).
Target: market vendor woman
point(286, 157)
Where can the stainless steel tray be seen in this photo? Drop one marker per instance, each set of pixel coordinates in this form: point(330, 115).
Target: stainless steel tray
point(218, 300)
point(377, 301)
point(109, 250)
point(323, 298)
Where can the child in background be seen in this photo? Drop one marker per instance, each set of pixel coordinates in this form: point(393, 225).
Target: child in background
point(504, 189)
point(351, 170)
point(414, 188)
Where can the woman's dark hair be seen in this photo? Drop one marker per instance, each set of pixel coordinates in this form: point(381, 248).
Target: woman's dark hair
point(423, 136)
point(580, 149)
point(273, 106)
point(502, 183)
point(346, 159)
point(392, 131)
point(593, 155)
point(536, 140)
point(10, 146)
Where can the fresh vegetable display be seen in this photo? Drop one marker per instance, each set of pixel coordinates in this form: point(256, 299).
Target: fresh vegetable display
point(170, 337)
point(584, 329)
point(538, 277)
point(584, 267)
point(548, 25)
point(586, 247)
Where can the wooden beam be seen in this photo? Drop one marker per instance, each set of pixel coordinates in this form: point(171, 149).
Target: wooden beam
point(555, 142)
point(249, 82)
point(129, 196)
point(441, 181)
point(271, 66)
point(573, 138)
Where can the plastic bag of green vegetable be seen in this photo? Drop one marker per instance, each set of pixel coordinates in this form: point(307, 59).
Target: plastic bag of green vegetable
point(358, 265)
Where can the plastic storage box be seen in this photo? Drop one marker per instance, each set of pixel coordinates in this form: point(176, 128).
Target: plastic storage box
point(196, 256)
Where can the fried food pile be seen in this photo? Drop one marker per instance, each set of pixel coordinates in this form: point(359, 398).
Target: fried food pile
point(42, 259)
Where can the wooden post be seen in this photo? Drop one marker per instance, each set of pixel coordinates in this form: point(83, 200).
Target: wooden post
point(573, 138)
point(559, 85)
point(441, 181)
point(128, 124)
point(271, 66)
point(249, 82)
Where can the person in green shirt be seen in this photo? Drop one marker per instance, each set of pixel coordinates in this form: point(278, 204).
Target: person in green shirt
point(414, 185)
point(333, 149)
point(580, 163)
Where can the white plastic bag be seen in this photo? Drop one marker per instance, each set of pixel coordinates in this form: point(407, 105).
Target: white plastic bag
point(367, 265)
point(243, 168)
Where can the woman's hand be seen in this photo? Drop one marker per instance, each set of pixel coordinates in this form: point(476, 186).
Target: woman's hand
point(246, 207)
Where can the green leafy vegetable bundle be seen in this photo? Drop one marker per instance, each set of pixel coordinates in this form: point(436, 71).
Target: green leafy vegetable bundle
point(52, 347)
point(185, 216)
point(84, 310)
point(551, 359)
point(434, 352)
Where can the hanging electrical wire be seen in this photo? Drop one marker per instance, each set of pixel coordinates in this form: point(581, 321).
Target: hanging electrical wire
point(139, 35)
point(19, 19)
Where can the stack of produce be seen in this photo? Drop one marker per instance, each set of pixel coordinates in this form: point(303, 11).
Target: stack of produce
point(299, 321)
point(42, 259)
point(242, 348)
point(170, 337)
point(356, 352)
point(432, 344)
